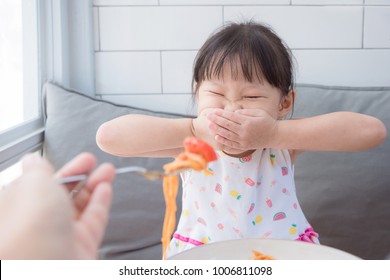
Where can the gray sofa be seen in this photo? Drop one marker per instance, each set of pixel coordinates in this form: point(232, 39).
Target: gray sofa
point(346, 196)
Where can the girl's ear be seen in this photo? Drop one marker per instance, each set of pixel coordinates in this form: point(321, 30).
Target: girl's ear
point(286, 104)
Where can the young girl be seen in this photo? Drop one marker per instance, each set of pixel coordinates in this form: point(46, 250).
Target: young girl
point(243, 82)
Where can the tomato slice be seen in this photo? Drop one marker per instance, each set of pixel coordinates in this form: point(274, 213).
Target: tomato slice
point(198, 146)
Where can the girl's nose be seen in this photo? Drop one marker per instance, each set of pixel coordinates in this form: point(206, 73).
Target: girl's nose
point(232, 106)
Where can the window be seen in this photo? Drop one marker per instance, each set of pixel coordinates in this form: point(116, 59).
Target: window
point(18, 62)
point(20, 115)
point(39, 40)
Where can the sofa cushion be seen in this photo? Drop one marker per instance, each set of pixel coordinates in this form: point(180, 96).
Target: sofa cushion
point(137, 212)
point(346, 196)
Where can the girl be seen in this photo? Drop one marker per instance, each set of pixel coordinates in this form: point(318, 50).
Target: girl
point(243, 83)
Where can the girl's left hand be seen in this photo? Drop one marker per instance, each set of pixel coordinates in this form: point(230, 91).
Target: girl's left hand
point(243, 129)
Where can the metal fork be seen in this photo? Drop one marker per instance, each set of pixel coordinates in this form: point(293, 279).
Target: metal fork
point(147, 174)
point(81, 179)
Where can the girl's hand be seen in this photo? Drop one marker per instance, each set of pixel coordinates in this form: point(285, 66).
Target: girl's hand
point(242, 130)
point(201, 129)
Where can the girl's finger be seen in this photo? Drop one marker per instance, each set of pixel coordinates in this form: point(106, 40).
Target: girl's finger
point(228, 144)
point(223, 132)
point(229, 115)
point(251, 112)
point(224, 123)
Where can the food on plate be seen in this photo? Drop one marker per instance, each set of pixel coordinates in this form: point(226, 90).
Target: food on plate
point(197, 154)
point(260, 256)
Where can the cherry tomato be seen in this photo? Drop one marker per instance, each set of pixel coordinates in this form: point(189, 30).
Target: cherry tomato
point(198, 146)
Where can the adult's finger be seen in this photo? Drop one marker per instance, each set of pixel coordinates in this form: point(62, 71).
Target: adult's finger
point(80, 164)
point(95, 216)
point(104, 173)
point(35, 161)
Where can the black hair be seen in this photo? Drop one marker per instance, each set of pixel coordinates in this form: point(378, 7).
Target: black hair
point(260, 51)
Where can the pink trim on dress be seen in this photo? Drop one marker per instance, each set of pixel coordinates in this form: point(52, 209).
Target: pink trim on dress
point(309, 236)
point(187, 239)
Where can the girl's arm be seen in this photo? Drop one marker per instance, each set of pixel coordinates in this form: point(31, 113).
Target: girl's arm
point(143, 136)
point(339, 131)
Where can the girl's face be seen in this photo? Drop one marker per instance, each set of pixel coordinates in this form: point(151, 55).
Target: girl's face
point(237, 93)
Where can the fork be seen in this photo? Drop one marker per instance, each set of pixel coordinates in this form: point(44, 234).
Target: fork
point(147, 174)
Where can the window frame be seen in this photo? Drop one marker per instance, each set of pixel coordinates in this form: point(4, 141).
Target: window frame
point(17, 141)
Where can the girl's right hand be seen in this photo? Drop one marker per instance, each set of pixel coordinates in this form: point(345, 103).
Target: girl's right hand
point(201, 129)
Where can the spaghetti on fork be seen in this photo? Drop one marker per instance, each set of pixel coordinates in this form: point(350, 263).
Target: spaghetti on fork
point(197, 154)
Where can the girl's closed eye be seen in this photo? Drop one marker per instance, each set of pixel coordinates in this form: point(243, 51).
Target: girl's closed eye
point(215, 92)
point(254, 97)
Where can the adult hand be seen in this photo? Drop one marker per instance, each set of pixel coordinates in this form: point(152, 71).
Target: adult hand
point(39, 220)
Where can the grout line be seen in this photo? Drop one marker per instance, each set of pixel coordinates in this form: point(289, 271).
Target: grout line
point(98, 28)
point(292, 48)
point(102, 95)
point(52, 41)
point(363, 24)
point(156, 50)
point(161, 74)
point(245, 5)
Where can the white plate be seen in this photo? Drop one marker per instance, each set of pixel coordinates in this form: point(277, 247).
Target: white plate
point(241, 249)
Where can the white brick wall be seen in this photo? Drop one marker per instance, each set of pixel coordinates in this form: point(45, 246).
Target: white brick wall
point(144, 49)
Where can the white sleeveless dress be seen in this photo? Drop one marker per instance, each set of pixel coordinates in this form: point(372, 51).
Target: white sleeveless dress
point(247, 197)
